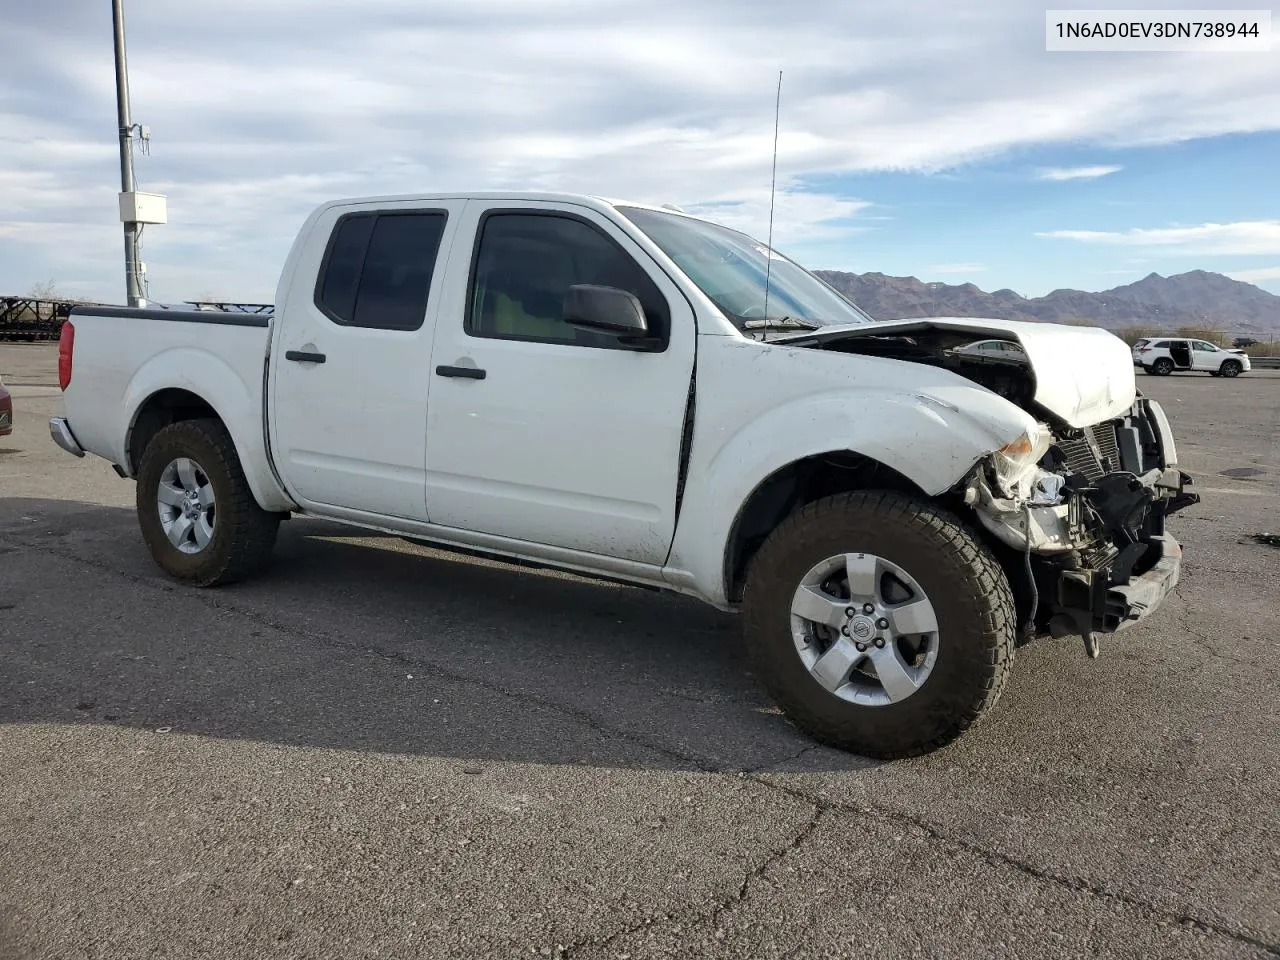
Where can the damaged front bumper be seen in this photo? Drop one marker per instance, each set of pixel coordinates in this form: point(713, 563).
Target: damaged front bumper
point(1097, 602)
point(1095, 558)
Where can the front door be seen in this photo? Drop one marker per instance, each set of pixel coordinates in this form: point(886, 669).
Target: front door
point(1205, 356)
point(541, 432)
point(349, 374)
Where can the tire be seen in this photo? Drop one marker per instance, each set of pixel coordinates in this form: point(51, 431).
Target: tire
point(1162, 367)
point(961, 579)
point(239, 535)
point(1231, 368)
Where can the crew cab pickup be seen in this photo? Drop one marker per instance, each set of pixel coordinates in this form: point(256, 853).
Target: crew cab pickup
point(637, 394)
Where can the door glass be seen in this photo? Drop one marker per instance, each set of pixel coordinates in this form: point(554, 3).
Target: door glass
point(378, 270)
point(341, 271)
point(526, 264)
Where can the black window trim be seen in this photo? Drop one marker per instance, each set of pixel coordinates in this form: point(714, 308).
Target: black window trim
point(374, 214)
point(564, 215)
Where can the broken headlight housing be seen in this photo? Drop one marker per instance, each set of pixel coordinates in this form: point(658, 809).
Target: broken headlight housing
point(1016, 464)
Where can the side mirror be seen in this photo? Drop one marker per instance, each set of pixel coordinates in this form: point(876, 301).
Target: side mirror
point(605, 310)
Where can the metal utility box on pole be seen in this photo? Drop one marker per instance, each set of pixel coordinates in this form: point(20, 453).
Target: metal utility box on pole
point(136, 208)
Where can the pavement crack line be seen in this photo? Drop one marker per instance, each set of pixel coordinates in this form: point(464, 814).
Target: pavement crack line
point(1210, 644)
point(997, 858)
point(707, 915)
point(791, 758)
point(822, 805)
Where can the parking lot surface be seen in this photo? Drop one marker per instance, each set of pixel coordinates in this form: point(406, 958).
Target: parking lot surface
point(376, 750)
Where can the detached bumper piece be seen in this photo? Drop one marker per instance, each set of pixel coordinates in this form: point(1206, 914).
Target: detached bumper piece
point(1096, 601)
point(61, 433)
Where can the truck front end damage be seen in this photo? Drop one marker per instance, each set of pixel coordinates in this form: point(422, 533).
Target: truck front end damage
point(1076, 506)
point(1085, 509)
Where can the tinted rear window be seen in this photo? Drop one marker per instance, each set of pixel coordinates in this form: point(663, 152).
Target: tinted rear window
point(378, 269)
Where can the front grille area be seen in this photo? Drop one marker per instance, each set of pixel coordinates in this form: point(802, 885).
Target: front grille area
point(1079, 456)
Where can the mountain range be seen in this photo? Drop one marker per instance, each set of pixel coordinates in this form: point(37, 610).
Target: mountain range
point(1194, 299)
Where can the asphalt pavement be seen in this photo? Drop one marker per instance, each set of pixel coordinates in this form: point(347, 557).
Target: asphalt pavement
point(377, 750)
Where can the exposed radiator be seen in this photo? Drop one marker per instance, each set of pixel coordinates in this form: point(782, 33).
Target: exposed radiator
point(1104, 435)
point(1080, 459)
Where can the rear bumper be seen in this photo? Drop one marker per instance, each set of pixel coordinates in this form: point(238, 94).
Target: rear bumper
point(61, 433)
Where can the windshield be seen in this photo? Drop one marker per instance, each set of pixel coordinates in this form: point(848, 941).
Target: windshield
point(731, 269)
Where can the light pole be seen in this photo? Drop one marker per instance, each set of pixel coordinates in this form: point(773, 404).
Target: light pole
point(133, 286)
point(136, 208)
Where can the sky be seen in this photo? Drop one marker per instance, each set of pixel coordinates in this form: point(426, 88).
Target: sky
point(936, 139)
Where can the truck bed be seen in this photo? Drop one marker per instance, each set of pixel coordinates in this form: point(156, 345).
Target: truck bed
point(124, 358)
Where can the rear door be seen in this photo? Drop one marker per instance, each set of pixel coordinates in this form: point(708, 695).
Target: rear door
point(350, 379)
point(1180, 352)
point(540, 432)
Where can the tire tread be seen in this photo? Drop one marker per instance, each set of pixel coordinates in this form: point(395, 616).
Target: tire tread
point(971, 562)
point(252, 530)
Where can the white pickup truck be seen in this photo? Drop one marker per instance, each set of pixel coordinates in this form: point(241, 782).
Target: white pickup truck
point(636, 394)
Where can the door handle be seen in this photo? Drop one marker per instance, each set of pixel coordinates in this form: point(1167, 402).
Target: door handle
point(469, 373)
point(302, 356)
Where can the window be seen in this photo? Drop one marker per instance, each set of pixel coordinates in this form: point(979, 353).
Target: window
point(742, 276)
point(1203, 346)
point(377, 271)
point(524, 266)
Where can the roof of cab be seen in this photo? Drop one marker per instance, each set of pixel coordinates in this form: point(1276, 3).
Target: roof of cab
point(581, 199)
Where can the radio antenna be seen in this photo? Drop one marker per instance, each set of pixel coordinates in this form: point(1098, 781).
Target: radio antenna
point(773, 192)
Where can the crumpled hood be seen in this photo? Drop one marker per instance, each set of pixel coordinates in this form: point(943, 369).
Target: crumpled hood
point(1083, 374)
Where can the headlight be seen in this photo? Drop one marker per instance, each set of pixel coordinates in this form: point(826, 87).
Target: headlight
point(1015, 463)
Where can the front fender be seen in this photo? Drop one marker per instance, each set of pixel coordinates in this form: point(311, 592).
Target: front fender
point(234, 396)
point(932, 438)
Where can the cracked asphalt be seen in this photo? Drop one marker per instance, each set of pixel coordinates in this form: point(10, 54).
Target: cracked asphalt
point(375, 750)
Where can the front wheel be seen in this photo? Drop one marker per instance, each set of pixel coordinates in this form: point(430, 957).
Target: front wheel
point(879, 623)
point(198, 517)
point(1231, 368)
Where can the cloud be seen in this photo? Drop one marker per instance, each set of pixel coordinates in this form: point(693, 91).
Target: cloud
point(1077, 173)
point(1247, 237)
point(956, 268)
point(657, 100)
point(1254, 276)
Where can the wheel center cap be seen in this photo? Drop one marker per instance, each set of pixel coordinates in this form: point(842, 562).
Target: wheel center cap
point(862, 628)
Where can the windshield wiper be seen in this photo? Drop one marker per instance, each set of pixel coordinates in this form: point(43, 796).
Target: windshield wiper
point(779, 323)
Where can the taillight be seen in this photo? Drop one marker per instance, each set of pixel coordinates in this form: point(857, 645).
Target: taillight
point(66, 344)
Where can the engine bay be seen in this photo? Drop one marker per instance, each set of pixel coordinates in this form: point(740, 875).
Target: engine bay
point(1004, 372)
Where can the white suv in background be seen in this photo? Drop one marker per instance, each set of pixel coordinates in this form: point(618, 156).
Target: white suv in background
point(1165, 355)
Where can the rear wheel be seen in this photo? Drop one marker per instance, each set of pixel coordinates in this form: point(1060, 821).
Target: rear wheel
point(1231, 368)
point(879, 623)
point(198, 517)
point(1162, 367)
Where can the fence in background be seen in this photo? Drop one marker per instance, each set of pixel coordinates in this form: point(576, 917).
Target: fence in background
point(29, 319)
point(32, 319)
